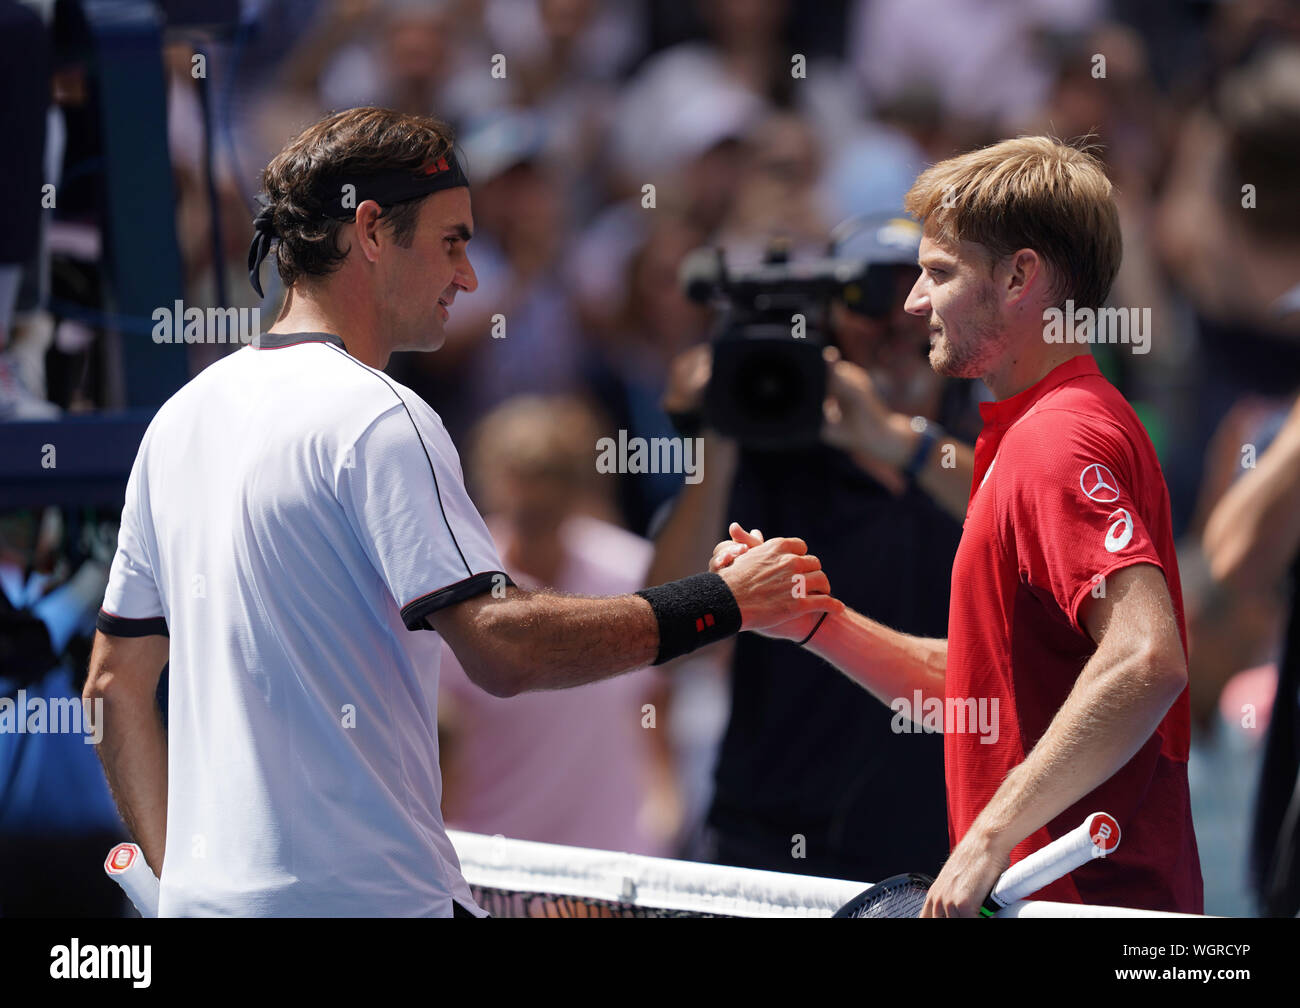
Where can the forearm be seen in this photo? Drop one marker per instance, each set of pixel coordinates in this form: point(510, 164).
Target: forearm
point(1112, 711)
point(1253, 533)
point(948, 471)
point(886, 663)
point(698, 516)
point(541, 640)
point(948, 475)
point(544, 640)
point(133, 751)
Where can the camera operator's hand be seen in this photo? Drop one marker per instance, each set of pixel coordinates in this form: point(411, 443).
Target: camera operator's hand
point(857, 418)
point(746, 547)
point(688, 377)
point(858, 421)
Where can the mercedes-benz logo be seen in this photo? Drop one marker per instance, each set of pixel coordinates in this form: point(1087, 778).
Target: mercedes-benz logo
point(1099, 483)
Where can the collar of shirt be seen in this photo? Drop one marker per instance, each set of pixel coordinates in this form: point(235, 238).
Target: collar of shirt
point(1005, 412)
point(278, 341)
point(999, 416)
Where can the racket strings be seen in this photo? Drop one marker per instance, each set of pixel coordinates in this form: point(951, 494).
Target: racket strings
point(900, 896)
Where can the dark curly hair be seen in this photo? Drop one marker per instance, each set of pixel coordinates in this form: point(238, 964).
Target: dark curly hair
point(354, 143)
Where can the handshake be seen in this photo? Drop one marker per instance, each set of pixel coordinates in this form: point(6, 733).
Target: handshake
point(782, 591)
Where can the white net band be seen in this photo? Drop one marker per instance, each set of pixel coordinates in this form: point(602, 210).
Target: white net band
point(613, 884)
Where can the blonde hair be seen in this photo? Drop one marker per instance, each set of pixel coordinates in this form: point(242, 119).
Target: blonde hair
point(537, 436)
point(1031, 192)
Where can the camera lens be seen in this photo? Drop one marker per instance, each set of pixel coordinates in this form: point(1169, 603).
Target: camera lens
point(767, 386)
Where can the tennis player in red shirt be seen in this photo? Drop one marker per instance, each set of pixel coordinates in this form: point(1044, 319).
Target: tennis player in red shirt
point(1066, 621)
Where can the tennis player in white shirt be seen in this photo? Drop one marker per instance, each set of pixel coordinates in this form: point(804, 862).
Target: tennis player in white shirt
point(295, 521)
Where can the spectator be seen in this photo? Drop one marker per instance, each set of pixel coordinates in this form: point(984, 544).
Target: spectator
point(588, 766)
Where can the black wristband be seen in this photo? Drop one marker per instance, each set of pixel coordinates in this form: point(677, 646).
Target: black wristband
point(930, 434)
point(817, 626)
point(692, 612)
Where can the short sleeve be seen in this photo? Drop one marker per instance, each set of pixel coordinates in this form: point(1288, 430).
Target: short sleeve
point(402, 491)
point(1073, 506)
point(132, 602)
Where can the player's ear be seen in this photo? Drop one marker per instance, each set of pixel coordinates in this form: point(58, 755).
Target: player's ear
point(1020, 273)
point(366, 230)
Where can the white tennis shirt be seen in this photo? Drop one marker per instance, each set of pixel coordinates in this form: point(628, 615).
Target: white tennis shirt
point(291, 518)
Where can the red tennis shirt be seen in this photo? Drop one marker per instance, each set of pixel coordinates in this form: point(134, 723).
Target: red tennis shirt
point(1067, 490)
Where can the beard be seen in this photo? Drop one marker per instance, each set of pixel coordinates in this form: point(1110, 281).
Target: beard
point(953, 361)
point(984, 341)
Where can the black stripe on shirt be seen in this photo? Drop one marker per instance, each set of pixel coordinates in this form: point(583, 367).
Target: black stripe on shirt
point(121, 626)
point(433, 472)
point(414, 612)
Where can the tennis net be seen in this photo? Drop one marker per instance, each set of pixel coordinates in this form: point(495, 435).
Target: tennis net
point(520, 878)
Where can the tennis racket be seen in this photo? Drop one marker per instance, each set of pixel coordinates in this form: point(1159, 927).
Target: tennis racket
point(904, 895)
point(127, 867)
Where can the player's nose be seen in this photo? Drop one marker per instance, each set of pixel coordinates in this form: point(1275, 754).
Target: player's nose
point(466, 279)
point(918, 298)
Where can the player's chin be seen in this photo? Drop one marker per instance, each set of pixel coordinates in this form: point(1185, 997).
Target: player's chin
point(942, 359)
point(949, 364)
point(431, 339)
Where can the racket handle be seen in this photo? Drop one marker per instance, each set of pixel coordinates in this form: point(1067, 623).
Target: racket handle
point(1096, 836)
point(127, 867)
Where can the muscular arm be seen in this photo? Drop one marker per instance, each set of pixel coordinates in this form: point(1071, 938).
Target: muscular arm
point(1137, 672)
point(540, 640)
point(886, 663)
point(1119, 699)
point(123, 678)
point(544, 640)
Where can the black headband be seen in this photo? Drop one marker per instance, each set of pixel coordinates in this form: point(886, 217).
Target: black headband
point(340, 196)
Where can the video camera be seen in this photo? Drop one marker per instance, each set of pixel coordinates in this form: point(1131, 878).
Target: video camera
point(768, 382)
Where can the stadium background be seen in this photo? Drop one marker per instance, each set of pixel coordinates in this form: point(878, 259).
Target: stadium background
point(752, 119)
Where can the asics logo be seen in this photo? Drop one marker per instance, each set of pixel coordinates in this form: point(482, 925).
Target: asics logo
point(1120, 533)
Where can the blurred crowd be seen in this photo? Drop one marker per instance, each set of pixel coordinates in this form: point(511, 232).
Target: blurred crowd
point(604, 140)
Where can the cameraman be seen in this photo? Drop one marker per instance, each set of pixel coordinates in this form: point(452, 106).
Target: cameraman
point(810, 777)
